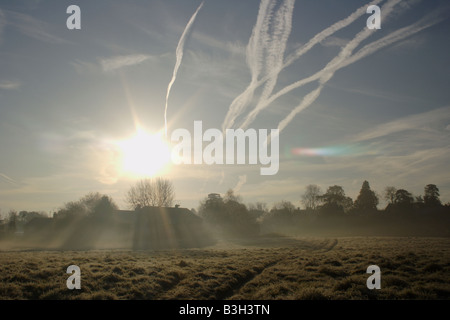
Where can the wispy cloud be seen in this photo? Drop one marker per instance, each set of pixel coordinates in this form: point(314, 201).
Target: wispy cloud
point(9, 180)
point(425, 120)
point(32, 27)
point(2, 24)
point(83, 67)
point(110, 64)
point(179, 57)
point(118, 62)
point(334, 42)
point(241, 182)
point(234, 48)
point(222, 177)
point(9, 85)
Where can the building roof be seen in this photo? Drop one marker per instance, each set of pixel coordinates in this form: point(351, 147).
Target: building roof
point(170, 215)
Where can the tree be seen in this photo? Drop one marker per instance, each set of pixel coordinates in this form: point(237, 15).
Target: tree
point(103, 208)
point(431, 197)
point(165, 193)
point(311, 197)
point(258, 209)
point(228, 215)
point(403, 198)
point(389, 194)
point(151, 192)
point(284, 205)
point(367, 199)
point(12, 220)
point(26, 216)
point(93, 204)
point(335, 200)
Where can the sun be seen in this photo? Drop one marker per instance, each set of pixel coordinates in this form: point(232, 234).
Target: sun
point(144, 154)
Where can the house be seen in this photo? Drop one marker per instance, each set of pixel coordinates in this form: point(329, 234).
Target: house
point(214, 196)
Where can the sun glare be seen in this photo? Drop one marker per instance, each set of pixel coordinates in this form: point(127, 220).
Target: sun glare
point(144, 154)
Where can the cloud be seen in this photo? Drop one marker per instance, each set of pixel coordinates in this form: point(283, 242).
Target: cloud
point(419, 121)
point(9, 85)
point(110, 64)
point(9, 180)
point(2, 24)
point(334, 42)
point(118, 62)
point(222, 176)
point(233, 48)
point(241, 182)
point(83, 67)
point(32, 27)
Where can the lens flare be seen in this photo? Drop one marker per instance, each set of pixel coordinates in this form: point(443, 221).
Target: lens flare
point(144, 154)
point(326, 151)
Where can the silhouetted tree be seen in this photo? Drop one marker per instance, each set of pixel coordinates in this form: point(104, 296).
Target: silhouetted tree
point(103, 208)
point(26, 216)
point(431, 197)
point(151, 192)
point(311, 197)
point(335, 200)
point(165, 193)
point(367, 199)
point(92, 204)
point(403, 198)
point(284, 205)
point(257, 210)
point(389, 194)
point(228, 215)
point(12, 221)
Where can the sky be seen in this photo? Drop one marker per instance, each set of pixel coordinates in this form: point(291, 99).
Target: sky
point(351, 103)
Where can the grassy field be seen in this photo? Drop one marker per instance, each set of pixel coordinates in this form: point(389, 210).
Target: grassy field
point(264, 268)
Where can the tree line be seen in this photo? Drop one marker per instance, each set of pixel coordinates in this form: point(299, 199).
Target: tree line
point(332, 211)
point(335, 200)
point(230, 216)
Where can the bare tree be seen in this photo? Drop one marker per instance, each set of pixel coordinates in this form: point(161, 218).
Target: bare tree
point(389, 194)
point(311, 197)
point(165, 193)
point(151, 192)
point(141, 194)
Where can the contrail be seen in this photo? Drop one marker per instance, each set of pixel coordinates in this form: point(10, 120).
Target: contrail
point(254, 59)
point(2, 23)
point(277, 47)
point(323, 75)
point(362, 53)
point(8, 179)
point(240, 102)
point(179, 56)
